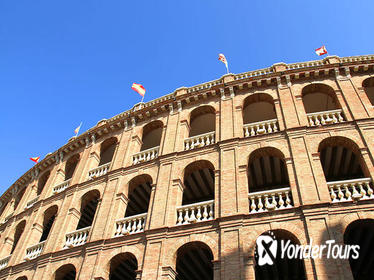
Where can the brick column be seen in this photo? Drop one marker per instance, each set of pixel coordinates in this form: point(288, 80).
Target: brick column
point(293, 184)
point(278, 112)
point(216, 269)
point(291, 119)
point(158, 212)
point(170, 134)
point(242, 185)
point(174, 200)
point(238, 122)
point(226, 117)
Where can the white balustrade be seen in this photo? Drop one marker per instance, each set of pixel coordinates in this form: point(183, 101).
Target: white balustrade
point(61, 187)
point(145, 155)
point(77, 237)
point(4, 262)
point(196, 212)
point(326, 117)
point(270, 200)
point(34, 251)
point(262, 127)
point(130, 225)
point(350, 190)
point(32, 202)
point(199, 140)
point(98, 171)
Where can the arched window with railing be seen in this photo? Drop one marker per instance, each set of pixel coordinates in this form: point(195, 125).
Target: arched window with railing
point(321, 105)
point(107, 149)
point(259, 116)
point(151, 140)
point(88, 209)
point(268, 181)
point(345, 171)
point(202, 128)
point(139, 194)
point(198, 193)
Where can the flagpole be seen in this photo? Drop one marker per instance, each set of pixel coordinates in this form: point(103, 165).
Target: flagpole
point(227, 67)
point(142, 99)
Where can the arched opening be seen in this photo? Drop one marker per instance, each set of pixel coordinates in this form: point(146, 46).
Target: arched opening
point(345, 171)
point(107, 150)
point(259, 116)
point(139, 195)
point(70, 166)
point(198, 182)
point(17, 234)
point(321, 105)
point(198, 193)
point(151, 137)
point(361, 232)
point(368, 86)
point(123, 266)
point(341, 159)
point(194, 262)
point(88, 208)
point(22, 278)
point(202, 128)
point(267, 170)
point(202, 120)
point(2, 209)
point(280, 268)
point(49, 218)
point(268, 183)
point(319, 98)
point(66, 272)
point(18, 198)
point(42, 181)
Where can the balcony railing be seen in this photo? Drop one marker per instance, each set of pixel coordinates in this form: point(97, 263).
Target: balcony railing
point(34, 251)
point(145, 155)
point(98, 171)
point(61, 187)
point(32, 202)
point(77, 237)
point(276, 199)
point(199, 140)
point(130, 225)
point(196, 212)
point(4, 262)
point(326, 117)
point(350, 190)
point(262, 127)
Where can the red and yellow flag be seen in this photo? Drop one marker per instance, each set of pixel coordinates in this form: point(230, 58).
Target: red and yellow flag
point(35, 159)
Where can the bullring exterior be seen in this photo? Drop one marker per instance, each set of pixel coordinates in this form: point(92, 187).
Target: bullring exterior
point(180, 187)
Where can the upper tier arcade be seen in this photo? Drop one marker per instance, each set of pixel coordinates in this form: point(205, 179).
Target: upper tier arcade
point(266, 149)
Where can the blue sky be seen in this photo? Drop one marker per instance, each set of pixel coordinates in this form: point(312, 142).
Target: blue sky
point(63, 62)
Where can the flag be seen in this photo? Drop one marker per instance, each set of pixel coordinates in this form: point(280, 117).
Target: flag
point(35, 159)
point(76, 131)
point(222, 58)
point(138, 88)
point(321, 51)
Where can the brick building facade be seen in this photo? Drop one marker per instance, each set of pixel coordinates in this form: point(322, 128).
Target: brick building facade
point(184, 184)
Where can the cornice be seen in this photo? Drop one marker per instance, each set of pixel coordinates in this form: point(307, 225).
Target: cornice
point(280, 74)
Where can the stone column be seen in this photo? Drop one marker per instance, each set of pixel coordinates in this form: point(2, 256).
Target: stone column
point(151, 202)
point(280, 117)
